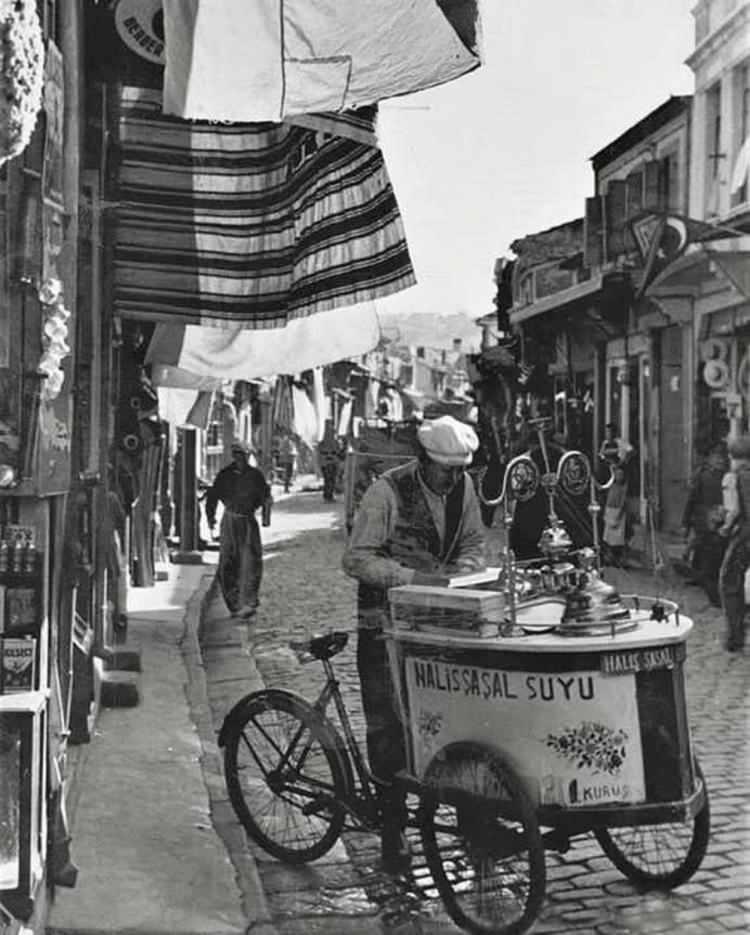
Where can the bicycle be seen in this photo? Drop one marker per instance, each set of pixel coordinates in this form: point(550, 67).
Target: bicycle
point(295, 784)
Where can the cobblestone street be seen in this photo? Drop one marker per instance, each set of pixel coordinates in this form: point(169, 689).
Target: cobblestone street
point(305, 592)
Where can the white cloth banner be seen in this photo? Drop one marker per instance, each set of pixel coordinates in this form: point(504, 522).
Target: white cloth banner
point(231, 352)
point(305, 417)
point(175, 404)
point(268, 59)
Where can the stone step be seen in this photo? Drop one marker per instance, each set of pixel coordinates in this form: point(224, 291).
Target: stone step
point(119, 689)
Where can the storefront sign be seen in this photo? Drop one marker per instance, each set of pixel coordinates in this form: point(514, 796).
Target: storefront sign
point(140, 26)
point(726, 366)
point(639, 660)
point(574, 737)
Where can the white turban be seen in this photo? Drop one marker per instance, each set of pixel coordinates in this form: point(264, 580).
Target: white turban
point(242, 446)
point(448, 441)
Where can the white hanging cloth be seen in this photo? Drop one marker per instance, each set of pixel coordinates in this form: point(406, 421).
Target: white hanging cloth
point(269, 59)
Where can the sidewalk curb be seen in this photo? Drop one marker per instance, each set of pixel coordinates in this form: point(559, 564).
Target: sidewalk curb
point(228, 829)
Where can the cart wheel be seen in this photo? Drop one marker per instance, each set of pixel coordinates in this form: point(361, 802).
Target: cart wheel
point(660, 856)
point(481, 841)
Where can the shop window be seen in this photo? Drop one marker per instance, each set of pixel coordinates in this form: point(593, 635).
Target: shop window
point(714, 154)
point(669, 182)
point(213, 436)
point(742, 123)
point(22, 814)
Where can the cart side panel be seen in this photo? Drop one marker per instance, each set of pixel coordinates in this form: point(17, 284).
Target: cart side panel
point(666, 740)
point(572, 734)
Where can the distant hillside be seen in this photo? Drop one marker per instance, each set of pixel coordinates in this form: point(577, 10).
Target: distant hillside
point(431, 329)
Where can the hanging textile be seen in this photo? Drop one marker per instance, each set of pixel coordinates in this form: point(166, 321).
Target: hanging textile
point(305, 417)
point(175, 404)
point(200, 413)
point(253, 224)
point(178, 351)
point(321, 401)
point(229, 429)
point(269, 59)
point(345, 419)
point(283, 408)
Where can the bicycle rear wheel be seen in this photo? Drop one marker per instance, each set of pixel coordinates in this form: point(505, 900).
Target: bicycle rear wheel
point(286, 776)
point(482, 841)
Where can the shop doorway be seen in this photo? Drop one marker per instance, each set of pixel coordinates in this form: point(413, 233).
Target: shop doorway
point(673, 454)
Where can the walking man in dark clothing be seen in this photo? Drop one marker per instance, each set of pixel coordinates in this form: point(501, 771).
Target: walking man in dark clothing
point(736, 529)
point(701, 519)
point(242, 489)
point(414, 522)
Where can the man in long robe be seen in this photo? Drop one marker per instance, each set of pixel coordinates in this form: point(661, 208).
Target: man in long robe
point(242, 489)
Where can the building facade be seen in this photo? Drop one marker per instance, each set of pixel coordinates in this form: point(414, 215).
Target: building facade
point(708, 286)
point(592, 344)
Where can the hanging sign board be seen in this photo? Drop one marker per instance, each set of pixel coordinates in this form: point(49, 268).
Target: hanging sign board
point(140, 25)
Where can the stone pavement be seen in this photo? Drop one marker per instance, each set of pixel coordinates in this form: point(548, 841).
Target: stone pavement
point(148, 858)
point(305, 592)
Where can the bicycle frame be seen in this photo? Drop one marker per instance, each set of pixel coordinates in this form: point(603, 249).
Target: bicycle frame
point(363, 805)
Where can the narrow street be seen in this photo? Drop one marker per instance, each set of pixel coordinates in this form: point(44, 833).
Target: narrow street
point(305, 592)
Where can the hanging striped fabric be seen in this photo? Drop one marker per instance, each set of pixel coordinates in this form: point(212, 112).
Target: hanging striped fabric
point(256, 224)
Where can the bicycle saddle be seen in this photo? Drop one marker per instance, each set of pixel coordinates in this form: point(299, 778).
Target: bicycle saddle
point(322, 647)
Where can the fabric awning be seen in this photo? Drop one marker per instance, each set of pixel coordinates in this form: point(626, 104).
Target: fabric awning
point(254, 224)
point(266, 60)
point(180, 354)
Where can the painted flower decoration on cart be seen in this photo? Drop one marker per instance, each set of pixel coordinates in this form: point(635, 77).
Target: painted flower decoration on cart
point(591, 745)
point(430, 725)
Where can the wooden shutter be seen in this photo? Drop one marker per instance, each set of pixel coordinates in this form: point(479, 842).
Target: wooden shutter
point(616, 218)
point(651, 187)
point(593, 233)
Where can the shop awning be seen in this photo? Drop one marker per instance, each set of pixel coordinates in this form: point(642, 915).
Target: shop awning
point(253, 224)
point(705, 264)
point(197, 357)
point(266, 60)
point(558, 300)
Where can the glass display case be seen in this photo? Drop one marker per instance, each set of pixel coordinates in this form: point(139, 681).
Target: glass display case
point(23, 818)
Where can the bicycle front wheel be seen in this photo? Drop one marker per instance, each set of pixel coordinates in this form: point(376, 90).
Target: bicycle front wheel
point(482, 841)
point(286, 776)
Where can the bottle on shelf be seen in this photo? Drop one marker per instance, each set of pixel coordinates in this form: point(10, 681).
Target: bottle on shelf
point(17, 557)
point(29, 561)
point(4, 557)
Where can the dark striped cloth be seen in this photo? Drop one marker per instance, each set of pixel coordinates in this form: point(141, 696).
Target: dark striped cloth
point(252, 223)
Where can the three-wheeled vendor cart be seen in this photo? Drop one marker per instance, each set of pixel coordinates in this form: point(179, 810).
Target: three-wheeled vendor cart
point(553, 709)
point(538, 704)
point(530, 739)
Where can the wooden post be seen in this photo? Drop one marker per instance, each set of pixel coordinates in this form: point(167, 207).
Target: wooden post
point(188, 553)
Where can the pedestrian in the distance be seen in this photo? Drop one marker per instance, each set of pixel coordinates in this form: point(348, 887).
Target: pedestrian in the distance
point(617, 526)
point(242, 489)
point(736, 528)
point(702, 517)
point(414, 522)
point(614, 535)
point(287, 460)
point(328, 453)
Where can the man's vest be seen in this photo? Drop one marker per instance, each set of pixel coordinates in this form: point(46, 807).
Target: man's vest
point(742, 529)
point(415, 542)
